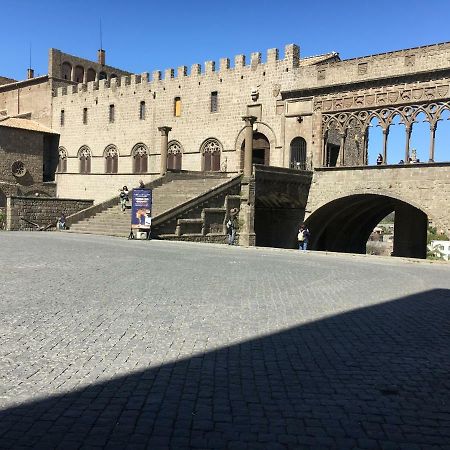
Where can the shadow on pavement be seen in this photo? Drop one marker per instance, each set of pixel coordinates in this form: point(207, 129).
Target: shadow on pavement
point(377, 377)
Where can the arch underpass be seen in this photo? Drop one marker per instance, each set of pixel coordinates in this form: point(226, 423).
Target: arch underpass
point(345, 224)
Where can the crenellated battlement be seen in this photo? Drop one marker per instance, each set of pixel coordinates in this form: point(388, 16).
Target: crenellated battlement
point(291, 60)
point(419, 52)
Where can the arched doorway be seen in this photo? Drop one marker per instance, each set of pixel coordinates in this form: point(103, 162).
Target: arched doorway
point(261, 150)
point(345, 224)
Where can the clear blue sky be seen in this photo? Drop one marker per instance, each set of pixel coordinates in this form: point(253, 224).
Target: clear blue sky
point(148, 35)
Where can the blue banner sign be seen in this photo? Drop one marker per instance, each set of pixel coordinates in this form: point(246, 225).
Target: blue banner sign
point(141, 209)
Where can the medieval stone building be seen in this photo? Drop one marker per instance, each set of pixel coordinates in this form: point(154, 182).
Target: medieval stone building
point(291, 112)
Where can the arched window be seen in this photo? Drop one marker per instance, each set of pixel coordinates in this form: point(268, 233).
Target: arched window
point(298, 154)
point(111, 159)
point(79, 74)
point(140, 158)
point(113, 75)
point(62, 163)
point(84, 156)
point(66, 71)
point(174, 155)
point(211, 150)
point(102, 76)
point(91, 75)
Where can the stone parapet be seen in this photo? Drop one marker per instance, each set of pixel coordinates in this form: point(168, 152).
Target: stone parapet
point(42, 211)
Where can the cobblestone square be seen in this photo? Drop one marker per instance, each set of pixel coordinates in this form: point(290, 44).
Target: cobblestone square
point(109, 343)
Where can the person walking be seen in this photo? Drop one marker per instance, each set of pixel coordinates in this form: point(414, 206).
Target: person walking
point(303, 237)
point(232, 225)
point(123, 198)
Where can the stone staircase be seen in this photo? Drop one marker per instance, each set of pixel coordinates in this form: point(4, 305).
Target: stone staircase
point(176, 197)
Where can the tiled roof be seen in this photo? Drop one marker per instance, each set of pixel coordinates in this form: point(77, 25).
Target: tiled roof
point(25, 124)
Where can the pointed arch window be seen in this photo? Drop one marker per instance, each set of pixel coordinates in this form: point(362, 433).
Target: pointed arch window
point(211, 150)
point(174, 155)
point(111, 159)
point(140, 158)
point(84, 156)
point(62, 162)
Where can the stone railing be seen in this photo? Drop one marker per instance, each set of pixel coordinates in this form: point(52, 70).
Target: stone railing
point(22, 212)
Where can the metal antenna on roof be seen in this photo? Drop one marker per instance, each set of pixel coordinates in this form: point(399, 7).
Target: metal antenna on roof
point(29, 66)
point(101, 37)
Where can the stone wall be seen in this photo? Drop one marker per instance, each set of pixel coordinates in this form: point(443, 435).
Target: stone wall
point(196, 122)
point(24, 146)
point(281, 118)
point(56, 58)
point(29, 97)
point(40, 210)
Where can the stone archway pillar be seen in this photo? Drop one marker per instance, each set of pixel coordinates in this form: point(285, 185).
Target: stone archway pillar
point(432, 140)
point(247, 235)
point(324, 148)
point(385, 141)
point(164, 148)
point(248, 149)
point(408, 130)
point(342, 135)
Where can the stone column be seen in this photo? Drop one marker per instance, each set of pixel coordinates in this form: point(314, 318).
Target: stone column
point(342, 149)
point(364, 145)
point(72, 73)
point(248, 150)
point(432, 140)
point(324, 148)
point(408, 130)
point(385, 141)
point(164, 141)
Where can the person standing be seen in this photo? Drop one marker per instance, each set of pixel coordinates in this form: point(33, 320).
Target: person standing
point(232, 225)
point(123, 198)
point(379, 159)
point(303, 237)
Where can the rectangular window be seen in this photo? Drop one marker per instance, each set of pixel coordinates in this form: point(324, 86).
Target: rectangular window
point(142, 111)
point(177, 107)
point(85, 116)
point(111, 113)
point(62, 118)
point(214, 104)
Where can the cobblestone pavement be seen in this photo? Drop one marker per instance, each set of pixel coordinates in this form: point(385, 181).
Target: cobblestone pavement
point(109, 343)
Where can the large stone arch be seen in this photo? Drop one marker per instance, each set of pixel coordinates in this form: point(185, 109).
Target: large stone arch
point(259, 127)
point(345, 223)
point(260, 130)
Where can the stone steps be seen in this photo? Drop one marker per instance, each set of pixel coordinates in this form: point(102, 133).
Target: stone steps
point(114, 222)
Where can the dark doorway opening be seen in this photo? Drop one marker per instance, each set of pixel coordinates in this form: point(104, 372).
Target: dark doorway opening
point(332, 155)
point(261, 150)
